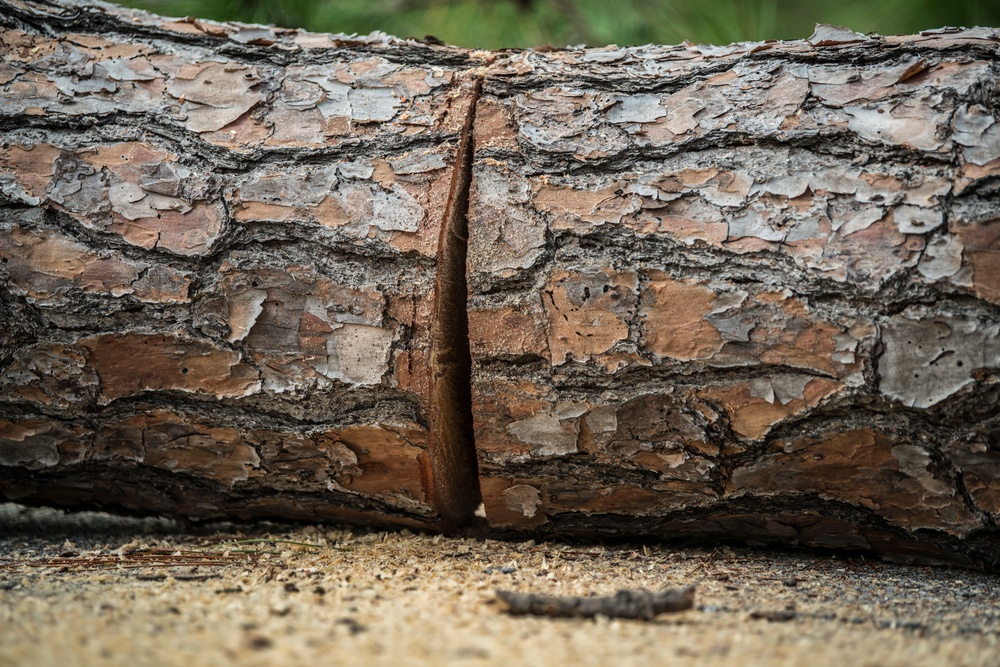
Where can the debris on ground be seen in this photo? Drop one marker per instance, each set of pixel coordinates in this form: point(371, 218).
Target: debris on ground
point(643, 605)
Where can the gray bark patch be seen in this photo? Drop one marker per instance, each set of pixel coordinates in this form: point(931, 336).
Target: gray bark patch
point(926, 361)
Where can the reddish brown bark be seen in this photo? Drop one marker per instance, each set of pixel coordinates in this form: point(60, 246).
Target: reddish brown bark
point(719, 292)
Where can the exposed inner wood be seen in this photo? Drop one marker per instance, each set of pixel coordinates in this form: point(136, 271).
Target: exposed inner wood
point(455, 492)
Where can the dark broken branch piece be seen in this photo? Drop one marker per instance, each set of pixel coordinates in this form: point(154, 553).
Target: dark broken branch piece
point(642, 605)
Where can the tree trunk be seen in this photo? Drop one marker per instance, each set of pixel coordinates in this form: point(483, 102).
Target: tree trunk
point(747, 292)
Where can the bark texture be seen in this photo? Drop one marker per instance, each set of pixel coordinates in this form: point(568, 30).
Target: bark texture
point(748, 291)
point(745, 291)
point(220, 264)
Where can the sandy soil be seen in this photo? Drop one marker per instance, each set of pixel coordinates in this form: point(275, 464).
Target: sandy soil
point(93, 589)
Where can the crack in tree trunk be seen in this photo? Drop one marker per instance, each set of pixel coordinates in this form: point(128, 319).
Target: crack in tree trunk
point(452, 443)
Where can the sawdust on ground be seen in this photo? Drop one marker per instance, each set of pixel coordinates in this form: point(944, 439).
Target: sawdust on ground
point(94, 589)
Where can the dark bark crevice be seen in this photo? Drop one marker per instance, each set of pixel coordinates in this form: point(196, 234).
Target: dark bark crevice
point(146, 490)
point(456, 494)
point(125, 126)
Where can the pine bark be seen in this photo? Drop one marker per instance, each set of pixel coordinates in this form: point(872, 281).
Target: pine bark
point(747, 292)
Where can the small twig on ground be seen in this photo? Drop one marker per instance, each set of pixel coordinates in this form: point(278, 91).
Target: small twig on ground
point(264, 541)
point(644, 605)
point(568, 553)
point(704, 562)
point(779, 615)
point(142, 558)
point(291, 542)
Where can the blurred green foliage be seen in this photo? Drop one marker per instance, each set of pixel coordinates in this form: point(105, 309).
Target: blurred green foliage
point(526, 23)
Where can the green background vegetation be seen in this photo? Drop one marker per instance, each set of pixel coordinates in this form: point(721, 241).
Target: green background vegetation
point(526, 23)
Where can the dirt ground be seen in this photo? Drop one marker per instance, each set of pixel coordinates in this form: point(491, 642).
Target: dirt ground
point(94, 589)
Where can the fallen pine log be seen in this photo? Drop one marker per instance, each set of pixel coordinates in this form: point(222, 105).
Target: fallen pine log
point(747, 292)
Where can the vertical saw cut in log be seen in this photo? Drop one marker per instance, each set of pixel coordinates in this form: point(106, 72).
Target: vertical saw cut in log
point(747, 292)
